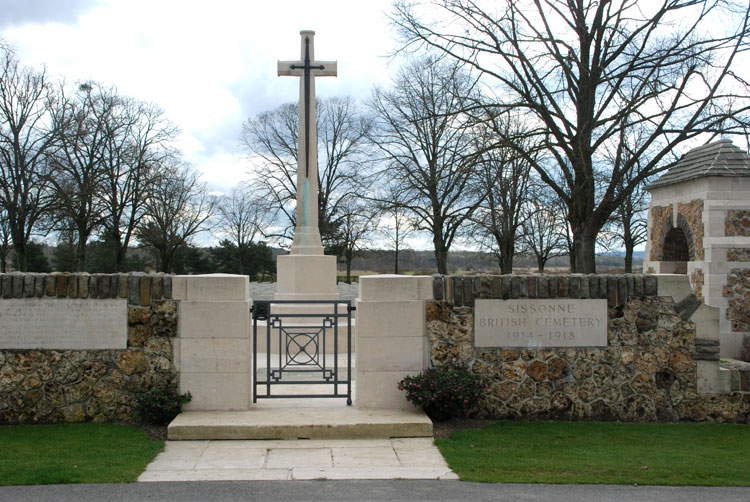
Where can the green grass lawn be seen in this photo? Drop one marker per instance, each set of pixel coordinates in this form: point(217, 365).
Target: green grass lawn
point(73, 453)
point(581, 452)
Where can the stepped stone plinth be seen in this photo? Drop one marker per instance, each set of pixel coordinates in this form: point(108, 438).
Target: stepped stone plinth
point(292, 421)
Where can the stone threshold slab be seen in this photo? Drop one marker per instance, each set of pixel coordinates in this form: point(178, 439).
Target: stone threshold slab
point(438, 473)
point(341, 422)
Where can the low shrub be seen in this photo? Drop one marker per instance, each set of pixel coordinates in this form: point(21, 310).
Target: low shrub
point(445, 392)
point(159, 405)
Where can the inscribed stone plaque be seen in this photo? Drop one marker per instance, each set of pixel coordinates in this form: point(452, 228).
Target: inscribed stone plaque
point(540, 323)
point(64, 324)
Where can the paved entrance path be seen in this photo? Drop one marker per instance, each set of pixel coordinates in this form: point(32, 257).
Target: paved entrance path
point(302, 459)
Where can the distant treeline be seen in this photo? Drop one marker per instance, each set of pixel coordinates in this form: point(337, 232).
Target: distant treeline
point(259, 261)
point(411, 261)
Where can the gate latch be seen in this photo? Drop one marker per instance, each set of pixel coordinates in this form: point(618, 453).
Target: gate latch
point(261, 310)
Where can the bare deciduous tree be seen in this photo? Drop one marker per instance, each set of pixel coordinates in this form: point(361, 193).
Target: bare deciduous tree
point(504, 180)
point(271, 139)
point(630, 219)
point(26, 137)
point(177, 209)
point(395, 226)
point(544, 225)
point(81, 121)
point(137, 144)
point(243, 217)
point(428, 150)
point(356, 223)
point(584, 73)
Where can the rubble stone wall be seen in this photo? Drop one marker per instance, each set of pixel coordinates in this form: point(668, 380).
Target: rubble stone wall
point(48, 386)
point(661, 219)
point(738, 254)
point(693, 213)
point(737, 291)
point(647, 372)
point(737, 223)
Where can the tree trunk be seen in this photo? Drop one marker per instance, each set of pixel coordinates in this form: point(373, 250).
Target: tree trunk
point(19, 248)
point(441, 255)
point(83, 238)
point(349, 260)
point(119, 255)
point(629, 256)
point(584, 246)
point(540, 262)
point(165, 259)
point(80, 264)
point(120, 250)
point(507, 248)
point(395, 268)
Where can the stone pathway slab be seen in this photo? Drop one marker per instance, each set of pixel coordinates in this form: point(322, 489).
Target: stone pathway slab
point(255, 460)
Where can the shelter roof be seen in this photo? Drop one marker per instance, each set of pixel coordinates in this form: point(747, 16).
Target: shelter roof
point(720, 158)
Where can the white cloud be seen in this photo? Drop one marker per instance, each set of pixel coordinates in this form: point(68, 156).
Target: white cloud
point(224, 170)
point(208, 65)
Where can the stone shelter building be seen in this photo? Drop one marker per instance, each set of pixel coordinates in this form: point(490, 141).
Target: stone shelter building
point(699, 225)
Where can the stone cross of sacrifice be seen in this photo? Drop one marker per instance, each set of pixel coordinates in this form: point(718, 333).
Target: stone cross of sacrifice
point(306, 233)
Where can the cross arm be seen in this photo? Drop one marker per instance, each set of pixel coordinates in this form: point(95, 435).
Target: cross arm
point(329, 68)
point(285, 68)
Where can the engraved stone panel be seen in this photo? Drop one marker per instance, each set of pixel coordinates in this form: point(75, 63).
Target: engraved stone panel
point(540, 323)
point(64, 324)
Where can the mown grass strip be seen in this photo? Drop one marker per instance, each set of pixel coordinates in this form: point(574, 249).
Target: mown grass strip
point(73, 453)
point(602, 453)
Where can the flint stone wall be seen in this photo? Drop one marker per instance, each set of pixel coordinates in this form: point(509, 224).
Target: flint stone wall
point(661, 218)
point(737, 223)
point(47, 386)
point(737, 292)
point(648, 371)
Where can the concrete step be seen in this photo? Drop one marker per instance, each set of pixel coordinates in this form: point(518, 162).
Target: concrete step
point(274, 419)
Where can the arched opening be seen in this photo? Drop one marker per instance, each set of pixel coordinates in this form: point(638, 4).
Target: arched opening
point(676, 251)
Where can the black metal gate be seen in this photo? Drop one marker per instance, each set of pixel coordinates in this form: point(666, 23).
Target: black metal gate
point(303, 348)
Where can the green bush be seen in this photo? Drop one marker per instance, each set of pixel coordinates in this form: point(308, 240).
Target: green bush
point(444, 392)
point(160, 405)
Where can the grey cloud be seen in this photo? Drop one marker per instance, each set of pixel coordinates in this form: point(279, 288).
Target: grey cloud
point(19, 12)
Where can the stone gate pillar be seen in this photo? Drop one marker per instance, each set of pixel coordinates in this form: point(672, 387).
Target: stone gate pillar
point(213, 352)
point(390, 337)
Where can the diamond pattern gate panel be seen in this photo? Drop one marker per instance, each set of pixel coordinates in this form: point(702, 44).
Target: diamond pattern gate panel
point(307, 343)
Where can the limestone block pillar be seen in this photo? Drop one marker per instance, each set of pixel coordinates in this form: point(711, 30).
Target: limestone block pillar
point(213, 351)
point(390, 337)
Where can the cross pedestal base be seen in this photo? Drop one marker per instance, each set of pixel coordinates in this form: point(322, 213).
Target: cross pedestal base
point(306, 277)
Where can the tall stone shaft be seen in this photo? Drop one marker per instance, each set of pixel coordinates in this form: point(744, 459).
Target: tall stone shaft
point(307, 233)
point(306, 273)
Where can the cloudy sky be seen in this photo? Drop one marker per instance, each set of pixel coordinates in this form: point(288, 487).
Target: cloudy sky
point(209, 64)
